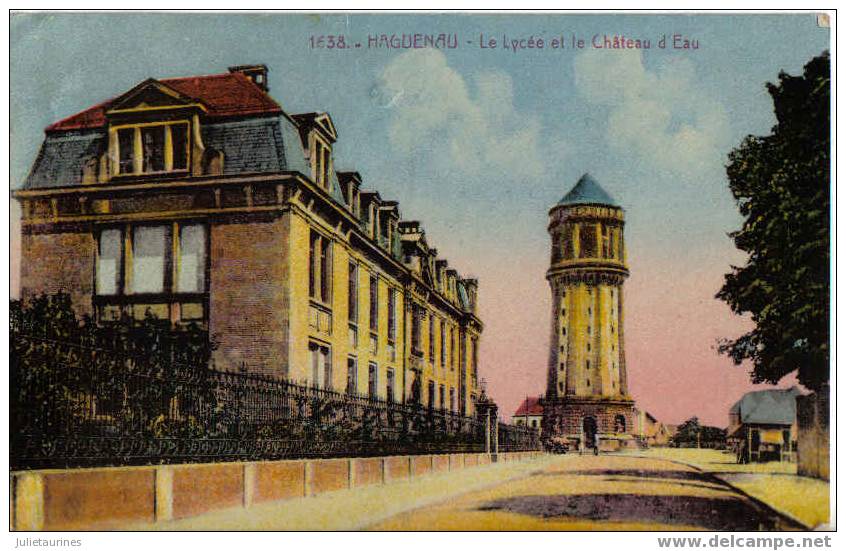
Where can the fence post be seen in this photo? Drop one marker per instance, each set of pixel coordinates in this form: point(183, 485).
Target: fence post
point(28, 501)
point(487, 433)
point(164, 493)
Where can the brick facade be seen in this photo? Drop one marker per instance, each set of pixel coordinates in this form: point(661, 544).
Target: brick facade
point(248, 298)
point(566, 417)
point(587, 387)
point(59, 261)
point(292, 247)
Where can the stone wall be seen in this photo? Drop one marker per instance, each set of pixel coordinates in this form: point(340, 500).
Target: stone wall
point(121, 497)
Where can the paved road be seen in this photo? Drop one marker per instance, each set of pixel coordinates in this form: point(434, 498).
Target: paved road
point(596, 493)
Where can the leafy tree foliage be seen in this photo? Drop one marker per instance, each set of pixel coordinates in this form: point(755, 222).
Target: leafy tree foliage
point(692, 434)
point(781, 183)
point(60, 363)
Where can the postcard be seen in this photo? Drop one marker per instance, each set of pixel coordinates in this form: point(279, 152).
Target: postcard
point(420, 272)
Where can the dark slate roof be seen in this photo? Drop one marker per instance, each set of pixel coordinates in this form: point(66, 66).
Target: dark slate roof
point(265, 144)
point(336, 192)
point(62, 158)
point(768, 407)
point(587, 191)
point(254, 145)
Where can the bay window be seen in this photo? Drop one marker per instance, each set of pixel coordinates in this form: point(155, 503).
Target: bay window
point(160, 269)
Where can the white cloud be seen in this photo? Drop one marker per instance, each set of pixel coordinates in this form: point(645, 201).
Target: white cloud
point(662, 116)
point(471, 127)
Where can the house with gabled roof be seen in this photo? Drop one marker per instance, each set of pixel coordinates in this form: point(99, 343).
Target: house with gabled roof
point(530, 413)
point(200, 200)
point(762, 425)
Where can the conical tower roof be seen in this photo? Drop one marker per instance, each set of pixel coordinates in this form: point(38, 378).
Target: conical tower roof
point(587, 191)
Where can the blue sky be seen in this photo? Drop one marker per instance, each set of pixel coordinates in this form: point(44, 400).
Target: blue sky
point(478, 144)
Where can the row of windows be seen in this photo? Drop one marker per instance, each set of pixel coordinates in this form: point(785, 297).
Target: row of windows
point(606, 244)
point(152, 148)
point(151, 259)
point(321, 360)
point(320, 288)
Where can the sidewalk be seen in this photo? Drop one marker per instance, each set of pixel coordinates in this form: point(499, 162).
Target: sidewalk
point(357, 508)
point(776, 484)
point(803, 499)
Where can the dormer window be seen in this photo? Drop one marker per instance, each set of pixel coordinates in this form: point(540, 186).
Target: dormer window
point(151, 148)
point(322, 163)
point(353, 198)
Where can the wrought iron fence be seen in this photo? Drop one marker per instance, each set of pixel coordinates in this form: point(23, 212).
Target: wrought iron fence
point(75, 405)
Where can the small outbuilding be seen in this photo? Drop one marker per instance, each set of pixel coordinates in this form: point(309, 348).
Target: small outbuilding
point(762, 426)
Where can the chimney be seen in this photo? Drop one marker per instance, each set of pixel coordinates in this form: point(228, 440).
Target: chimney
point(256, 73)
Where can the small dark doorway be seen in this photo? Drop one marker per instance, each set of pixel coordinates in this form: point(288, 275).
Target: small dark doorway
point(589, 430)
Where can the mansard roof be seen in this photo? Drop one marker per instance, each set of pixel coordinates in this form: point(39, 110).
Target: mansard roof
point(223, 95)
point(253, 145)
point(587, 191)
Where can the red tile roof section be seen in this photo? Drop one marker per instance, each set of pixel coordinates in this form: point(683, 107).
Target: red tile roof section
point(530, 406)
point(225, 95)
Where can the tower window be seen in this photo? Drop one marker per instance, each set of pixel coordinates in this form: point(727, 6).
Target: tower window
point(590, 311)
point(587, 241)
point(560, 387)
point(588, 329)
point(562, 348)
point(588, 382)
point(587, 364)
point(606, 242)
point(612, 329)
point(588, 347)
point(564, 331)
point(561, 366)
point(563, 311)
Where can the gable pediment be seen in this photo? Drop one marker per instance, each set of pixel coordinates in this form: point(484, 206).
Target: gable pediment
point(151, 95)
point(325, 122)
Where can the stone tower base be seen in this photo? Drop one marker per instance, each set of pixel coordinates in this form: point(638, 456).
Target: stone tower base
point(570, 417)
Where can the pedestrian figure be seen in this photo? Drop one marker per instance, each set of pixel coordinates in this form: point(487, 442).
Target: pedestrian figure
point(596, 444)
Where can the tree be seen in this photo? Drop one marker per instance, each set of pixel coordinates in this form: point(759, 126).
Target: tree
point(65, 371)
point(781, 183)
point(688, 432)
